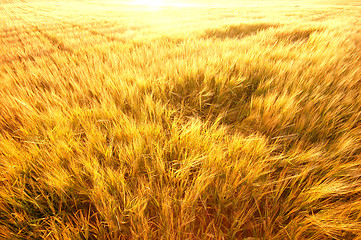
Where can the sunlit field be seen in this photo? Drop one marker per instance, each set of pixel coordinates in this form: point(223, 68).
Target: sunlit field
point(180, 120)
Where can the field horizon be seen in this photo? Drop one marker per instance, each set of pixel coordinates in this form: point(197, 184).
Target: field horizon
point(180, 119)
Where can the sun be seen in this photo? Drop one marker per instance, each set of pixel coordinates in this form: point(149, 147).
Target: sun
point(152, 3)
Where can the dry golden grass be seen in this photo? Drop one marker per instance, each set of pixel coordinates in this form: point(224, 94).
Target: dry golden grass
point(206, 121)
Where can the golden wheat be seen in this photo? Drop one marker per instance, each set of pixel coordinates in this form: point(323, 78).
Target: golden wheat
point(239, 120)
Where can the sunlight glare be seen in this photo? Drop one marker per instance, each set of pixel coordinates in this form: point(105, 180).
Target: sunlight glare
point(152, 3)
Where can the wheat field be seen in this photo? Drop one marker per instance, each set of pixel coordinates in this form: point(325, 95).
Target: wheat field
point(187, 120)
